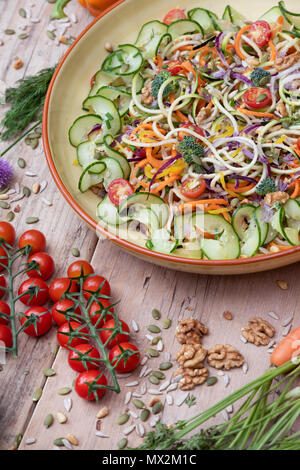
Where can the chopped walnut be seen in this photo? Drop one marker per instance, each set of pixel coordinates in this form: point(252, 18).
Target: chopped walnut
point(98, 189)
point(281, 109)
point(278, 196)
point(147, 98)
point(203, 114)
point(224, 356)
point(190, 331)
point(191, 377)
point(258, 332)
point(191, 356)
point(283, 63)
point(227, 315)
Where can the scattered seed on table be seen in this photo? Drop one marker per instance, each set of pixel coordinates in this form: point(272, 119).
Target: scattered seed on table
point(102, 412)
point(48, 420)
point(245, 368)
point(136, 395)
point(61, 418)
point(166, 323)
point(10, 216)
point(158, 374)
point(143, 388)
point(4, 205)
point(58, 442)
point(129, 429)
point(132, 384)
point(135, 326)
point(30, 173)
point(168, 356)
point(3, 197)
point(220, 373)
point(64, 391)
point(72, 439)
point(67, 444)
point(123, 418)
point(172, 387)
point(36, 188)
point(176, 379)
point(17, 440)
point(225, 415)
point(229, 409)
point(211, 381)
point(154, 391)
point(286, 330)
point(160, 345)
point(164, 385)
point(153, 329)
point(226, 380)
point(32, 220)
point(182, 398)
point(243, 339)
point(273, 315)
point(22, 13)
point(45, 201)
point(154, 380)
point(145, 413)
point(122, 443)
point(156, 340)
point(101, 434)
point(43, 185)
point(148, 371)
point(26, 191)
point(30, 440)
point(34, 143)
point(287, 321)
point(49, 372)
point(17, 198)
point(138, 403)
point(37, 394)
point(144, 360)
point(75, 252)
point(143, 370)
point(227, 315)
point(155, 314)
point(23, 36)
point(141, 429)
point(68, 403)
point(21, 162)
point(165, 365)
point(149, 337)
point(133, 414)
point(154, 420)
point(127, 398)
point(170, 399)
point(282, 284)
point(152, 352)
point(157, 407)
point(9, 32)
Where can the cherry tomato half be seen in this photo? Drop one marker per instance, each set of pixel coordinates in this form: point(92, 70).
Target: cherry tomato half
point(257, 98)
point(7, 233)
point(46, 266)
point(75, 360)
point(2, 284)
point(60, 286)
point(106, 333)
point(96, 310)
point(71, 334)
point(40, 298)
point(193, 187)
point(79, 268)
point(61, 309)
point(43, 323)
point(260, 33)
point(118, 190)
point(193, 127)
point(6, 336)
point(131, 361)
point(4, 308)
point(93, 283)
point(174, 15)
point(33, 238)
point(89, 377)
point(3, 258)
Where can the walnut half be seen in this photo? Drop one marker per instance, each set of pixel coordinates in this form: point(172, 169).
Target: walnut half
point(191, 356)
point(190, 331)
point(191, 377)
point(224, 356)
point(258, 332)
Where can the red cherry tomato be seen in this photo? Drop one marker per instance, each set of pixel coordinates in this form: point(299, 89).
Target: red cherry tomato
point(93, 283)
point(118, 190)
point(96, 310)
point(75, 361)
point(60, 286)
point(193, 127)
point(131, 361)
point(6, 336)
point(7, 233)
point(257, 98)
point(193, 187)
point(260, 33)
point(106, 333)
point(4, 308)
point(3, 258)
point(33, 238)
point(174, 15)
point(40, 298)
point(79, 268)
point(46, 266)
point(43, 323)
point(2, 284)
point(70, 334)
point(89, 377)
point(174, 67)
point(61, 309)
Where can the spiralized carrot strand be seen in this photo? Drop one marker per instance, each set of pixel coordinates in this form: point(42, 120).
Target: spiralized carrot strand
point(237, 41)
point(152, 160)
point(256, 113)
point(165, 183)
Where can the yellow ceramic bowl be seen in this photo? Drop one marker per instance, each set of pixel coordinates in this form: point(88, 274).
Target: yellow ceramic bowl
point(70, 85)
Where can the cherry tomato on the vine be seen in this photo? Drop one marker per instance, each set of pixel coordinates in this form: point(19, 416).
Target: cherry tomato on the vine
point(257, 98)
point(43, 323)
point(174, 15)
point(107, 333)
point(7, 233)
point(2, 284)
point(75, 361)
point(71, 334)
point(61, 309)
point(260, 33)
point(119, 190)
point(39, 298)
point(193, 187)
point(89, 377)
point(93, 283)
point(4, 308)
point(132, 360)
point(60, 286)
point(3, 258)
point(33, 238)
point(79, 268)
point(46, 266)
point(6, 336)
point(96, 310)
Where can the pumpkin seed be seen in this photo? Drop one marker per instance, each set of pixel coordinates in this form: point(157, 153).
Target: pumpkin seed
point(50, 35)
point(64, 391)
point(58, 442)
point(31, 220)
point(17, 440)
point(4, 205)
point(27, 140)
point(22, 12)
point(123, 442)
point(21, 162)
point(26, 191)
point(153, 329)
point(9, 32)
point(159, 375)
point(154, 380)
point(10, 216)
point(75, 252)
point(165, 365)
point(49, 372)
point(157, 407)
point(145, 413)
point(4, 190)
point(34, 143)
point(23, 36)
point(138, 403)
point(1, 368)
point(48, 421)
point(166, 323)
point(152, 352)
point(211, 381)
point(37, 394)
point(156, 314)
point(123, 418)
point(35, 135)
point(156, 340)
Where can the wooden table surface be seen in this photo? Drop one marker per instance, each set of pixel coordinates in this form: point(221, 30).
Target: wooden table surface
point(140, 286)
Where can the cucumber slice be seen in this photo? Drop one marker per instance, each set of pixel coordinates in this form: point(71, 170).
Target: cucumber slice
point(81, 127)
point(162, 241)
point(143, 199)
point(226, 245)
point(205, 19)
point(245, 224)
point(292, 209)
point(88, 152)
point(124, 61)
point(182, 226)
point(92, 174)
point(120, 97)
point(271, 16)
point(102, 79)
point(290, 17)
point(150, 37)
point(109, 214)
point(181, 27)
point(121, 159)
point(190, 250)
point(263, 225)
point(233, 16)
point(106, 109)
point(146, 217)
point(290, 234)
point(113, 171)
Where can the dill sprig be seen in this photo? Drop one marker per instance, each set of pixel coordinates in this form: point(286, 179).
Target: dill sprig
point(26, 102)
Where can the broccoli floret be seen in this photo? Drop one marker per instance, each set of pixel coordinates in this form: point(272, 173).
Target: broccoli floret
point(266, 186)
point(260, 77)
point(191, 150)
point(159, 79)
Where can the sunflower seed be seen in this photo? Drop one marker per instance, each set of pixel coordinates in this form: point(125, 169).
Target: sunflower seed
point(229, 409)
point(154, 391)
point(225, 415)
point(129, 429)
point(182, 399)
point(226, 380)
point(243, 339)
point(220, 373)
point(30, 440)
point(164, 385)
point(67, 444)
point(127, 398)
point(286, 330)
point(149, 337)
point(30, 173)
point(172, 387)
point(122, 443)
point(154, 420)
point(141, 429)
point(135, 326)
point(170, 399)
point(143, 388)
point(160, 346)
point(288, 321)
point(147, 372)
point(273, 315)
point(132, 384)
point(176, 379)
point(43, 185)
point(155, 314)
point(68, 403)
point(144, 360)
point(167, 356)
point(101, 434)
point(136, 395)
point(45, 201)
point(245, 368)
point(17, 198)
point(123, 418)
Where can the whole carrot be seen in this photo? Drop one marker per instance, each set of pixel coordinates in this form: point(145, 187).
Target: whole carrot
point(288, 348)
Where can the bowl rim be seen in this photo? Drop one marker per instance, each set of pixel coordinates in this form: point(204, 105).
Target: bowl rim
point(122, 242)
